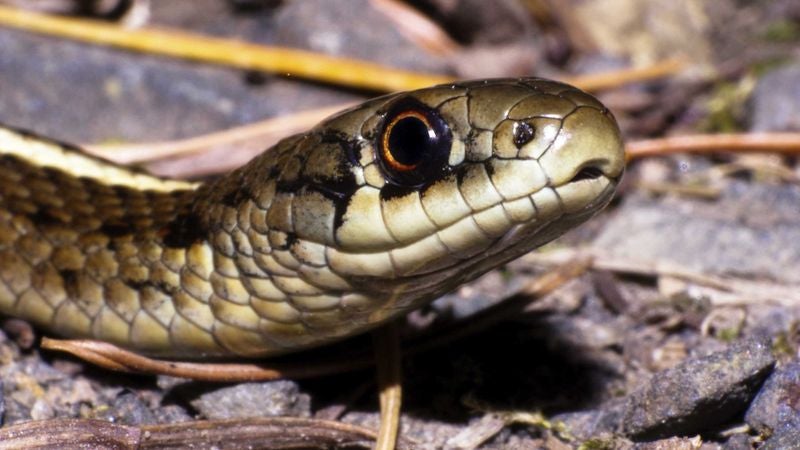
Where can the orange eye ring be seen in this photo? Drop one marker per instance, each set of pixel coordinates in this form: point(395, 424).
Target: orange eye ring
point(386, 147)
point(412, 145)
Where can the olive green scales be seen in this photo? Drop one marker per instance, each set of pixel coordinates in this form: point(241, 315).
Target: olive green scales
point(370, 214)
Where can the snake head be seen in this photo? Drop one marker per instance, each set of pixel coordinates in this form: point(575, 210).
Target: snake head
point(464, 177)
point(394, 202)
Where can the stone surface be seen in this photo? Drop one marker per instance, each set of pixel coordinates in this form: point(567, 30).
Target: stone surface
point(738, 442)
point(478, 21)
point(2, 403)
point(129, 409)
point(775, 102)
point(675, 443)
point(350, 28)
point(86, 93)
point(776, 408)
point(751, 231)
point(789, 440)
point(275, 398)
point(589, 424)
point(431, 434)
point(698, 393)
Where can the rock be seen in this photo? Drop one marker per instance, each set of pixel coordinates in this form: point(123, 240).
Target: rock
point(219, 18)
point(486, 291)
point(587, 331)
point(674, 443)
point(752, 230)
point(275, 398)
point(775, 102)
point(476, 433)
point(128, 409)
point(511, 60)
point(349, 28)
point(776, 408)
point(771, 320)
point(172, 414)
point(481, 22)
point(593, 423)
point(699, 393)
point(430, 433)
point(789, 440)
point(738, 442)
point(81, 93)
point(2, 402)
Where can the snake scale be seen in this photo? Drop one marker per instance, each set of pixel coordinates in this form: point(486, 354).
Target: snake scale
point(373, 212)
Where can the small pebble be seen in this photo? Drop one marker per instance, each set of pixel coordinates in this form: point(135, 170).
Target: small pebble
point(275, 398)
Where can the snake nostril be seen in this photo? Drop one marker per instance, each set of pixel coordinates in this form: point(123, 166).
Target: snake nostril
point(587, 173)
point(523, 133)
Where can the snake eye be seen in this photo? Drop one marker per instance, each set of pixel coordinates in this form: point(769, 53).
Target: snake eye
point(406, 139)
point(414, 143)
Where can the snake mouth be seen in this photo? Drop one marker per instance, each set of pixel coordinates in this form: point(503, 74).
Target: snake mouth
point(531, 232)
point(522, 237)
point(517, 240)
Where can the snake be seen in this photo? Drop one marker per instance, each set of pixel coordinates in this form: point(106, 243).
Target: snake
point(373, 212)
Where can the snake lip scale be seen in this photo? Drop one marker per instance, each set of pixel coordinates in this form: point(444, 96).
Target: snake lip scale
point(373, 212)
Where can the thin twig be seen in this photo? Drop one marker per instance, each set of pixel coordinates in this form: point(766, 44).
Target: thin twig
point(686, 190)
point(264, 432)
point(115, 358)
point(388, 358)
point(234, 53)
point(785, 143)
point(737, 291)
point(263, 134)
point(616, 78)
point(280, 60)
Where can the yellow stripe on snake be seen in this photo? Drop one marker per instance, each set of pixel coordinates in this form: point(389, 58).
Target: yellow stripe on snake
point(373, 212)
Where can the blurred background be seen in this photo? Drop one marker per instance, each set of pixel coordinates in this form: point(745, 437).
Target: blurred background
point(58, 87)
point(697, 257)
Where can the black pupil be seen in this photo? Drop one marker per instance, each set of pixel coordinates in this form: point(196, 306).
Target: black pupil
point(409, 141)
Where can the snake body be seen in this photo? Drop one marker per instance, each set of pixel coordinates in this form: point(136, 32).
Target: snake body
point(371, 213)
